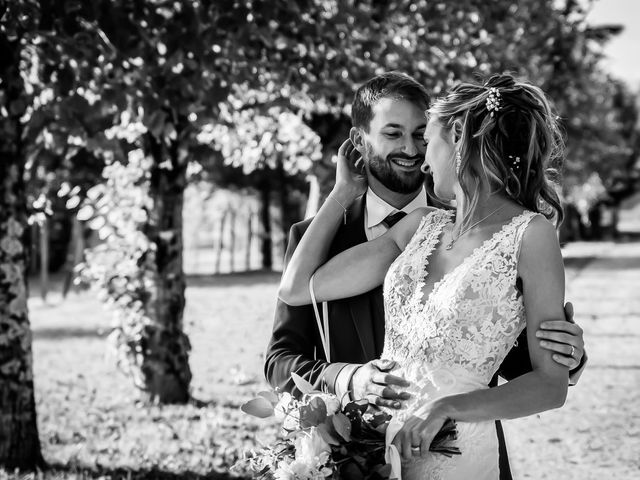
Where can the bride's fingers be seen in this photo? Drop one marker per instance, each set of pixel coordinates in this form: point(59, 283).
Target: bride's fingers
point(345, 148)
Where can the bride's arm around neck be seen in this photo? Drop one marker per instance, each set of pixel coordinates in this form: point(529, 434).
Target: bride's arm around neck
point(352, 272)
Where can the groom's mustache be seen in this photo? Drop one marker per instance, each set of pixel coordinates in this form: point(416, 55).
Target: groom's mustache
point(403, 156)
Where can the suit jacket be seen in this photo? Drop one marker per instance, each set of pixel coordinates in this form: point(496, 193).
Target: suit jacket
point(356, 328)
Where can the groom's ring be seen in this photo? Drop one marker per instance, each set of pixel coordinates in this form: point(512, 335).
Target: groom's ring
point(415, 449)
point(573, 350)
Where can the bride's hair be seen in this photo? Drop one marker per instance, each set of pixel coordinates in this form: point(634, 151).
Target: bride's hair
point(510, 140)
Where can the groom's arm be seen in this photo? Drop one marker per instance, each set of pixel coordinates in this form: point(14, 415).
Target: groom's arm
point(295, 344)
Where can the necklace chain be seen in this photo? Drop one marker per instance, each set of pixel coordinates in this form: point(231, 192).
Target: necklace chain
point(455, 239)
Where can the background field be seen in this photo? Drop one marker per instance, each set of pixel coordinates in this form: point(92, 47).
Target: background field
point(90, 424)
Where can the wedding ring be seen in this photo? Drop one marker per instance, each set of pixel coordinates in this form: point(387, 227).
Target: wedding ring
point(573, 350)
point(415, 449)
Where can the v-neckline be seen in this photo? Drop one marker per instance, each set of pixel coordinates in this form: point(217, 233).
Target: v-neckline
point(438, 240)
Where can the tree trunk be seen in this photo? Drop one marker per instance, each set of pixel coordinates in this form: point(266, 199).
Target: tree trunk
point(285, 212)
point(19, 443)
point(220, 245)
point(165, 367)
point(232, 240)
point(44, 259)
point(265, 218)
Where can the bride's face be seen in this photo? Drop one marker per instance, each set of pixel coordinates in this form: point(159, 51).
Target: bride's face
point(440, 159)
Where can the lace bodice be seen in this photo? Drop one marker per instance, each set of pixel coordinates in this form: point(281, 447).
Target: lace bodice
point(472, 316)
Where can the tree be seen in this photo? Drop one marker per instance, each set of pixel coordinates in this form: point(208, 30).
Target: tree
point(19, 443)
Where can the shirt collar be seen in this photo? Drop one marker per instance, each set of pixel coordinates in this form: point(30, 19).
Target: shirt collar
point(378, 209)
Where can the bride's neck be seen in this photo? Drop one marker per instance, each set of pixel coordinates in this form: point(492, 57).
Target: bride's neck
point(487, 203)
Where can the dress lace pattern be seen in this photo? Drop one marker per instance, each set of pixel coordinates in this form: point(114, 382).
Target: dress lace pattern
point(454, 340)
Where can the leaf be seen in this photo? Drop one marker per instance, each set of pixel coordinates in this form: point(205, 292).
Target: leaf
point(258, 407)
point(342, 425)
point(73, 202)
point(271, 397)
point(85, 213)
point(313, 414)
point(326, 435)
point(302, 385)
point(357, 405)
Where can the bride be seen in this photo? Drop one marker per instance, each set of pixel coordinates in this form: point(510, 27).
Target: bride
point(458, 286)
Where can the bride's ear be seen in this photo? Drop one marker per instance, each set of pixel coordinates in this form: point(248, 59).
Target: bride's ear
point(355, 135)
point(456, 133)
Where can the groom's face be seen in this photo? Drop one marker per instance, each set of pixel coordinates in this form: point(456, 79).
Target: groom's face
point(394, 148)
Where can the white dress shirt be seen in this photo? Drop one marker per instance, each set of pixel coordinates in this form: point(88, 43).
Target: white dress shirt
point(376, 210)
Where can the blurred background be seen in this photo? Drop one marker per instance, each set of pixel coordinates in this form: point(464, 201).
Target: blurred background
point(154, 155)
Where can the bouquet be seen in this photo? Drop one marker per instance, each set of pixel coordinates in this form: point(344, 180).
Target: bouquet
point(321, 439)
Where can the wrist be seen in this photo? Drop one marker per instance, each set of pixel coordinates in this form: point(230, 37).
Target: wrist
point(444, 407)
point(344, 194)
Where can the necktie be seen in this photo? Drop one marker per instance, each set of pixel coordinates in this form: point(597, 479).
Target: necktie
point(393, 218)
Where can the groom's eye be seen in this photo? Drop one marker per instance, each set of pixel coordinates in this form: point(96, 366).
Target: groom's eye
point(393, 134)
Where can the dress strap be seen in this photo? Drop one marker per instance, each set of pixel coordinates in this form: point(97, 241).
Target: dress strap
point(520, 226)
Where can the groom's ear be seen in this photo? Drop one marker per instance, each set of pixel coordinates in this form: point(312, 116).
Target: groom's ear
point(357, 138)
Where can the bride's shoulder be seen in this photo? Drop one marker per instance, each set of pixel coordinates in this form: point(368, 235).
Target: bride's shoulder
point(409, 225)
point(429, 212)
point(539, 240)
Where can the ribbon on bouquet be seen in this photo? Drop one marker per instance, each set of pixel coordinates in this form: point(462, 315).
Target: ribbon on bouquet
point(323, 323)
point(391, 454)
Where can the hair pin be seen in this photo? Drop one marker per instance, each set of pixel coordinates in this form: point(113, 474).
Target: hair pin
point(494, 100)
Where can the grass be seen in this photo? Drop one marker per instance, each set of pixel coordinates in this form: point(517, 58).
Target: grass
point(92, 427)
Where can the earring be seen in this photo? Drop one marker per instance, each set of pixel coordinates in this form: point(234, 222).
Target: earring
point(458, 161)
point(424, 168)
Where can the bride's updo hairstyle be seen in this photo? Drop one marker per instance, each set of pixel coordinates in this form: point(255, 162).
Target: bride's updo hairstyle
point(509, 140)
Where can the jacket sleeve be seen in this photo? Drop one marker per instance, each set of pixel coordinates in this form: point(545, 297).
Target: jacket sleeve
point(517, 361)
point(295, 344)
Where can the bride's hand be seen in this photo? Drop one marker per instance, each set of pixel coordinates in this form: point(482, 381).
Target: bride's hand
point(418, 433)
point(351, 181)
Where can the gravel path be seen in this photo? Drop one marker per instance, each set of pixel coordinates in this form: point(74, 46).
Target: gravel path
point(596, 435)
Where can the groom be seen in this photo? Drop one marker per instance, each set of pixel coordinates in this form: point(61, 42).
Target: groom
point(388, 126)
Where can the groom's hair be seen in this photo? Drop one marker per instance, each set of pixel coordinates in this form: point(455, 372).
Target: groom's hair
point(396, 85)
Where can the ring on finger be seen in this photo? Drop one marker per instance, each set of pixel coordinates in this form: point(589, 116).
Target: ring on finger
point(573, 350)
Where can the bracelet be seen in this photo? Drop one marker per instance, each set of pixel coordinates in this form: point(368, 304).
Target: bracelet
point(342, 206)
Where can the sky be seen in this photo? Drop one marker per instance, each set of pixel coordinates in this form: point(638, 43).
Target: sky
point(623, 51)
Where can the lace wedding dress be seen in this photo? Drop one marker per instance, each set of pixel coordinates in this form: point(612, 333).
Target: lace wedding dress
point(454, 340)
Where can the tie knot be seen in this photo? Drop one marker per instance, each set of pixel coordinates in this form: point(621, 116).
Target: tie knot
point(393, 218)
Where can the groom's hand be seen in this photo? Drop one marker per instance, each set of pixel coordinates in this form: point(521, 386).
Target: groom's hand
point(374, 382)
point(564, 338)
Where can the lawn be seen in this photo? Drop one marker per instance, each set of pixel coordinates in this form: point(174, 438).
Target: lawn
point(91, 425)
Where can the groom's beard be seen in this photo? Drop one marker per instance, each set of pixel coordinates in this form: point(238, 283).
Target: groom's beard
point(382, 169)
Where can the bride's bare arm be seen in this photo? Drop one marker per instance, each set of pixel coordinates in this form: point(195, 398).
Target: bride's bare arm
point(352, 272)
point(545, 387)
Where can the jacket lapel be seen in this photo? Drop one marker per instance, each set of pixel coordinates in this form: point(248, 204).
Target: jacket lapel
point(351, 234)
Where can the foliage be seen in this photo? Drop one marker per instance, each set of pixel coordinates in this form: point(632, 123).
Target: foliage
point(324, 439)
point(121, 267)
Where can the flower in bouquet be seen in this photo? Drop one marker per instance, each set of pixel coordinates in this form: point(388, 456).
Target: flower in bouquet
point(311, 448)
point(331, 402)
point(321, 439)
